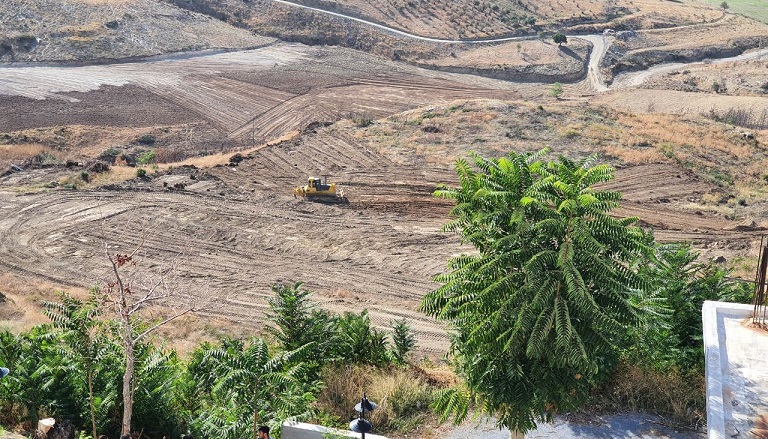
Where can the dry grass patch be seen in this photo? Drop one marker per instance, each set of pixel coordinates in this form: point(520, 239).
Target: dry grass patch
point(82, 30)
point(731, 28)
point(186, 333)
point(698, 144)
point(672, 394)
point(21, 152)
point(403, 396)
point(118, 174)
point(22, 309)
point(635, 156)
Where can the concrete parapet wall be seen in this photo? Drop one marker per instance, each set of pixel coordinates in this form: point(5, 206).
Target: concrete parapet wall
point(300, 430)
point(725, 385)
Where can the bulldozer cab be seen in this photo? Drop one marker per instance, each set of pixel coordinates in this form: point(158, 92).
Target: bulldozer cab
point(318, 184)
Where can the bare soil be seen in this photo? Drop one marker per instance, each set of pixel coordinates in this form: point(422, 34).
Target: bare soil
point(88, 31)
point(387, 132)
point(236, 230)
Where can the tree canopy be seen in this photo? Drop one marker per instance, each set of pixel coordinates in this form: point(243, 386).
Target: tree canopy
point(538, 309)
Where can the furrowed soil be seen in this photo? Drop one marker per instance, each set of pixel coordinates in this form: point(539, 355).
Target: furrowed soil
point(386, 133)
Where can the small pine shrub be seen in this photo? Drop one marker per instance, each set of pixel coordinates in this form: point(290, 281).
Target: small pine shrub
point(403, 341)
point(141, 173)
point(557, 90)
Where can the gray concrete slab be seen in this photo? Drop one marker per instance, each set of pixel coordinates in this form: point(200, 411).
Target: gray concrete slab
point(619, 426)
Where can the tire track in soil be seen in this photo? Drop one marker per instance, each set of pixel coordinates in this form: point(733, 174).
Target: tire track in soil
point(379, 252)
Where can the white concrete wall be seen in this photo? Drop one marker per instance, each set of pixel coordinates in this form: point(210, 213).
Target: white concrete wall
point(300, 430)
point(716, 359)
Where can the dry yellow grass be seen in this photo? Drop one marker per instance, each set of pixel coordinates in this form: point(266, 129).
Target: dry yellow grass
point(402, 395)
point(223, 158)
point(634, 156)
point(670, 393)
point(27, 294)
point(732, 27)
point(118, 174)
point(649, 12)
point(21, 152)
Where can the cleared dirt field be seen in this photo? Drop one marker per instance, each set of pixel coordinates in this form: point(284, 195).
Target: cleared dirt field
point(236, 230)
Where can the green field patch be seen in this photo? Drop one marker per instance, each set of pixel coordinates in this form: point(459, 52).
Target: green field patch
point(757, 9)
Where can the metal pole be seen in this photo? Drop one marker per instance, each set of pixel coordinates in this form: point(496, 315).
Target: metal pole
point(362, 411)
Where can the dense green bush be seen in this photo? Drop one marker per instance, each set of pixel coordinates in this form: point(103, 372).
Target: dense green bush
point(672, 336)
point(146, 157)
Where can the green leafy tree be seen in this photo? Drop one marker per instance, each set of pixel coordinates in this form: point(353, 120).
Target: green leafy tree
point(78, 324)
point(35, 384)
point(680, 284)
point(559, 38)
point(147, 157)
point(539, 308)
point(359, 343)
point(403, 342)
point(297, 321)
point(250, 386)
point(157, 376)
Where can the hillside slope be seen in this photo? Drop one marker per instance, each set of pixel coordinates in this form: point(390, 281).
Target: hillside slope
point(86, 30)
point(463, 19)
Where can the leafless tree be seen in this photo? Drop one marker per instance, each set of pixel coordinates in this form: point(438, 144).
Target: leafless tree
point(131, 293)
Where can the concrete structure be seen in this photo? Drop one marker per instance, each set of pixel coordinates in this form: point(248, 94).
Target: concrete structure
point(736, 370)
point(300, 430)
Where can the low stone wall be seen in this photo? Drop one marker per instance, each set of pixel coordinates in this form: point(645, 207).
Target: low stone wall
point(300, 430)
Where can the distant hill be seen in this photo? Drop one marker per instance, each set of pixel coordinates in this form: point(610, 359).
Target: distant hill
point(457, 19)
point(87, 30)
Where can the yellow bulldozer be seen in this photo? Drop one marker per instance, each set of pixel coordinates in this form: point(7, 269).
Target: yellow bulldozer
point(318, 189)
